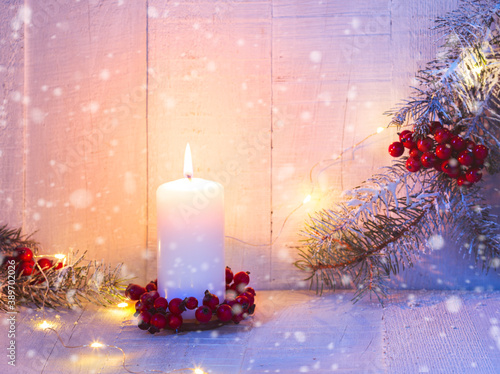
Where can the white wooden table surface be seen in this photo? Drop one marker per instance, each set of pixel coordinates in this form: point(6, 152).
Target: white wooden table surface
point(291, 332)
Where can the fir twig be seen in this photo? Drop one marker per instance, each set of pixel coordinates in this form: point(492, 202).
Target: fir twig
point(388, 220)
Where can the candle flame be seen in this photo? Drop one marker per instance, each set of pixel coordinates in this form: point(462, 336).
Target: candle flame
point(188, 163)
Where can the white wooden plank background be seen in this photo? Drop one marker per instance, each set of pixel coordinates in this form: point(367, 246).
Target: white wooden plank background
point(99, 98)
point(291, 332)
point(12, 113)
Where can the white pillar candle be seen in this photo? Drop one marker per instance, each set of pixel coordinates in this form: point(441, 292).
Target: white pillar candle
point(190, 237)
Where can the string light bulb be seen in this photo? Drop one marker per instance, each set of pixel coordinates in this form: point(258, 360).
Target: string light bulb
point(380, 129)
point(307, 199)
point(122, 305)
point(96, 345)
point(60, 256)
point(45, 325)
point(198, 371)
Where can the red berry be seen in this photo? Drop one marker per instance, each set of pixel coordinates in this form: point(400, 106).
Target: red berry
point(435, 126)
point(210, 300)
point(237, 318)
point(203, 314)
point(250, 290)
point(443, 151)
point(480, 152)
point(415, 153)
point(474, 175)
point(396, 149)
point(59, 265)
point(176, 306)
point(451, 167)
point(466, 158)
point(242, 277)
point(224, 313)
point(477, 164)
point(238, 288)
point(158, 320)
point(44, 263)
point(154, 294)
point(174, 321)
point(191, 302)
point(145, 316)
point(161, 303)
point(442, 136)
point(425, 144)
point(403, 133)
point(413, 164)
point(250, 298)
point(151, 287)
point(24, 254)
point(143, 320)
point(147, 300)
point(244, 302)
point(437, 164)
point(231, 295)
point(457, 143)
point(469, 144)
point(462, 181)
point(139, 306)
point(26, 268)
point(229, 275)
point(407, 141)
point(134, 291)
point(428, 159)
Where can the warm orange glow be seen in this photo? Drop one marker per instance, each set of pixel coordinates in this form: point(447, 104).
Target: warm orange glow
point(60, 256)
point(198, 371)
point(96, 345)
point(380, 129)
point(188, 163)
point(122, 305)
point(307, 199)
point(45, 325)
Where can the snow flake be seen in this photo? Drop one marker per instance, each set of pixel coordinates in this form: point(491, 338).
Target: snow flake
point(153, 12)
point(453, 304)
point(315, 56)
point(436, 242)
point(81, 199)
point(104, 74)
point(300, 336)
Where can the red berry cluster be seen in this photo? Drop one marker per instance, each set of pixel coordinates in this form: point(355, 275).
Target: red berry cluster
point(156, 313)
point(25, 264)
point(458, 158)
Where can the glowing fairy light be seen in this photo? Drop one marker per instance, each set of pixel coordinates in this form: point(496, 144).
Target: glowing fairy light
point(198, 371)
point(45, 325)
point(122, 305)
point(307, 199)
point(96, 345)
point(380, 129)
point(60, 256)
